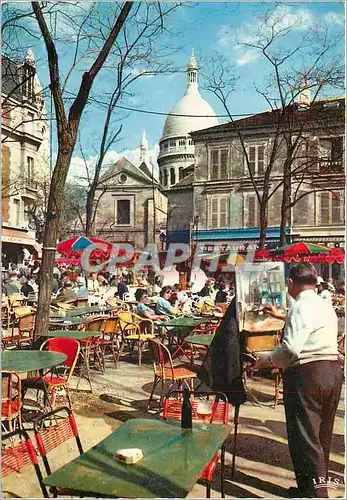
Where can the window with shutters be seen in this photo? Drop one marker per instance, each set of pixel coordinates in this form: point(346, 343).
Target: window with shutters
point(124, 211)
point(219, 212)
point(301, 209)
point(330, 154)
point(331, 207)
point(252, 211)
point(223, 212)
point(274, 205)
point(218, 167)
point(214, 212)
point(256, 159)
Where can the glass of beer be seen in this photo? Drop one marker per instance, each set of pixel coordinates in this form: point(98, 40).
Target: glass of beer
point(204, 413)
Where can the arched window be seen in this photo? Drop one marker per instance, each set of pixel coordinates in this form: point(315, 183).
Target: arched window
point(172, 176)
point(166, 177)
point(181, 173)
point(160, 177)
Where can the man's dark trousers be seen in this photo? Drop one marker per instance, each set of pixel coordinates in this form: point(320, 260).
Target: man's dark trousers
point(311, 393)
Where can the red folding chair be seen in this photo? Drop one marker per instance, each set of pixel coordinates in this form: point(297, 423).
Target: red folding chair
point(220, 415)
point(11, 398)
point(60, 376)
point(51, 431)
point(17, 456)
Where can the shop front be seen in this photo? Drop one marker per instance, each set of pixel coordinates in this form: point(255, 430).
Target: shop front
point(18, 245)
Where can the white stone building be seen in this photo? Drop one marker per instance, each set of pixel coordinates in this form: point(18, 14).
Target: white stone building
point(25, 156)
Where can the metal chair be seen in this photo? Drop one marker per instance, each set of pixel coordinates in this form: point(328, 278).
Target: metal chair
point(26, 326)
point(89, 346)
point(11, 398)
point(164, 370)
point(52, 430)
point(134, 330)
point(60, 376)
point(5, 313)
point(16, 456)
point(109, 340)
point(220, 415)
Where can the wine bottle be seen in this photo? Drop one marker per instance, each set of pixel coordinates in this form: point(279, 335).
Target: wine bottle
point(186, 415)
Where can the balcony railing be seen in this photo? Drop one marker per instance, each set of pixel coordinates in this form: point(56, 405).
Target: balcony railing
point(328, 166)
point(30, 184)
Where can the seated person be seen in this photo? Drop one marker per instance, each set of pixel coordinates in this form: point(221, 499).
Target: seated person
point(92, 283)
point(122, 289)
point(173, 295)
point(66, 293)
point(26, 287)
point(221, 295)
point(163, 306)
point(82, 290)
point(143, 310)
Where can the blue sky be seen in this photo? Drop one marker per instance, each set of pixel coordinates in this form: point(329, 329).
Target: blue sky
point(208, 27)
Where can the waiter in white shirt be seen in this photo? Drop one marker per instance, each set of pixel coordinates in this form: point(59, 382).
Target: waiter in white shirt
point(312, 380)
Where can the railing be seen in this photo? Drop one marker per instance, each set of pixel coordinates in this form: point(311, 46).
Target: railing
point(328, 166)
point(31, 184)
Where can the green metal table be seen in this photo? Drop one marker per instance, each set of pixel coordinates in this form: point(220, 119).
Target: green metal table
point(70, 334)
point(27, 361)
point(184, 322)
point(173, 460)
point(81, 311)
point(181, 327)
point(67, 322)
point(202, 340)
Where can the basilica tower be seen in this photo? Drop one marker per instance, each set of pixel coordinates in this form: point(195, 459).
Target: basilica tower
point(191, 113)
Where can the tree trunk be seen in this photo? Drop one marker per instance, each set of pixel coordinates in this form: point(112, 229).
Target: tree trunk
point(263, 221)
point(285, 201)
point(50, 241)
point(89, 212)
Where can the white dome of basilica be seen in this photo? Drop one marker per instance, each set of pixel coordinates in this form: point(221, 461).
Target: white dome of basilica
point(176, 147)
point(200, 113)
point(191, 104)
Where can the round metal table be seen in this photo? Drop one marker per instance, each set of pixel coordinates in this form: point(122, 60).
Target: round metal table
point(203, 340)
point(67, 322)
point(27, 361)
point(71, 334)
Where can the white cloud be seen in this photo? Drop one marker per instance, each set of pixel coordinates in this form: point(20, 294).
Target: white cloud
point(78, 168)
point(333, 18)
point(281, 19)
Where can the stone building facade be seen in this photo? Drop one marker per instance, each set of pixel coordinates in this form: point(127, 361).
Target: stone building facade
point(225, 199)
point(25, 156)
point(132, 208)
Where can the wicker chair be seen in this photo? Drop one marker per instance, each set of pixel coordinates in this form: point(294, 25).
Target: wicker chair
point(165, 371)
point(134, 330)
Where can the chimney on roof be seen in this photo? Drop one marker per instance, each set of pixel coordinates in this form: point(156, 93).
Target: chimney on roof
point(304, 95)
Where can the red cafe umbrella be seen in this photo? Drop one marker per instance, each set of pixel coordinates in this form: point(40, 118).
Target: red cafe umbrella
point(302, 252)
point(74, 247)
